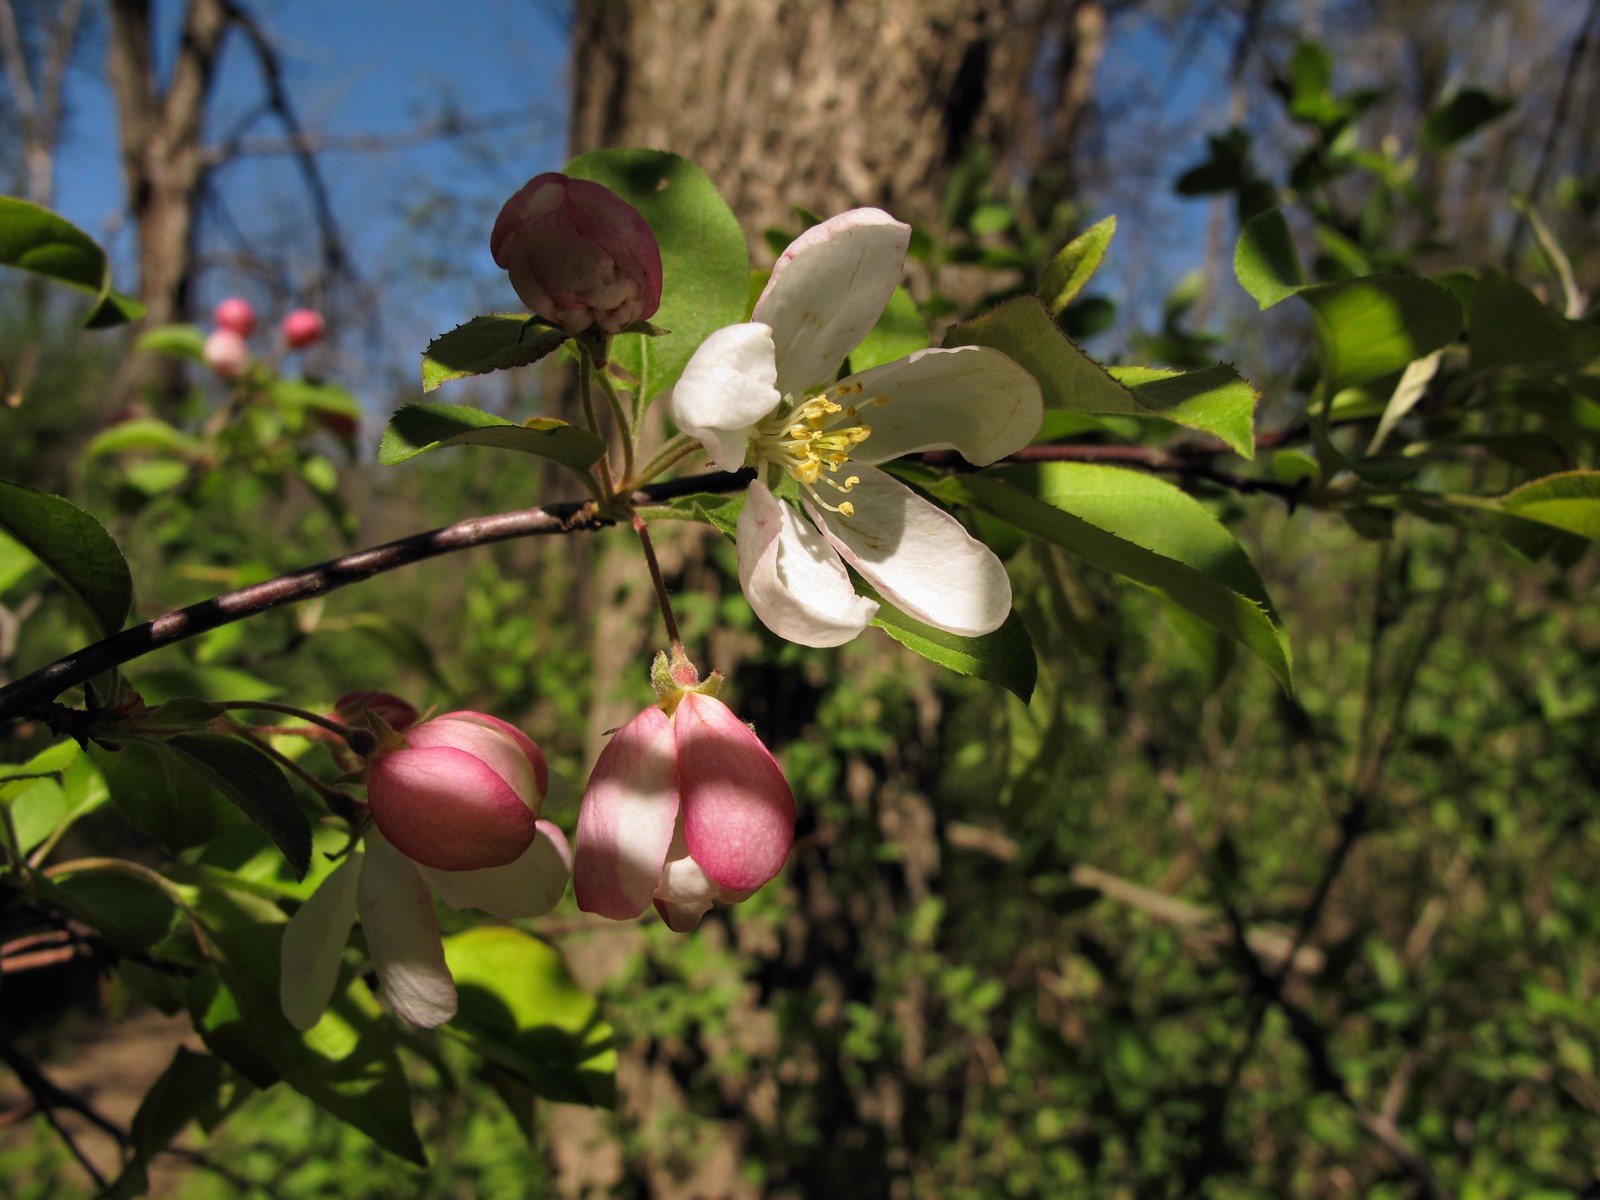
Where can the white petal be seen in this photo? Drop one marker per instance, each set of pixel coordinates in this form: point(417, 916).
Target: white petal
point(313, 945)
point(793, 578)
point(403, 936)
point(827, 290)
point(625, 824)
point(686, 893)
point(727, 386)
point(528, 887)
point(919, 556)
point(972, 399)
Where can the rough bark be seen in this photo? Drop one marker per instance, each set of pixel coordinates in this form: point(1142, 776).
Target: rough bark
point(829, 105)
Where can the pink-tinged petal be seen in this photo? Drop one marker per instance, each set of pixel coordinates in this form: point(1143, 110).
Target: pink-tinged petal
point(827, 290)
point(972, 399)
point(447, 809)
point(728, 385)
point(403, 936)
point(919, 557)
point(793, 578)
point(313, 945)
point(738, 811)
point(514, 755)
point(686, 893)
point(625, 823)
point(529, 887)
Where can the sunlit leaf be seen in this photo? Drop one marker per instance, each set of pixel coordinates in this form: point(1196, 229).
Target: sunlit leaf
point(489, 343)
point(1569, 501)
point(1074, 265)
point(1004, 657)
point(1145, 530)
point(522, 1009)
point(1265, 260)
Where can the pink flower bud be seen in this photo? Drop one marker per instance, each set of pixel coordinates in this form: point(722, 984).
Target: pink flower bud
point(226, 354)
point(461, 794)
point(353, 708)
point(236, 314)
point(303, 327)
point(681, 811)
point(578, 254)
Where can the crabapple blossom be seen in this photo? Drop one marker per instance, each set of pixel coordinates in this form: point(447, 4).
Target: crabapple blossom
point(764, 393)
point(578, 254)
point(236, 314)
point(460, 790)
point(226, 354)
point(303, 327)
point(681, 810)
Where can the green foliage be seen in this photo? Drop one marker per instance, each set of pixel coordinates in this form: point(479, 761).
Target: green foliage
point(484, 344)
point(704, 262)
point(36, 239)
point(75, 547)
point(418, 427)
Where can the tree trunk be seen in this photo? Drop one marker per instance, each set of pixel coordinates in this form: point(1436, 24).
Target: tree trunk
point(163, 160)
point(830, 105)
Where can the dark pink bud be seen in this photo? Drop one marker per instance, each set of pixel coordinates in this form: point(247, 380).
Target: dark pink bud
point(237, 315)
point(463, 792)
point(353, 708)
point(303, 327)
point(226, 354)
point(578, 254)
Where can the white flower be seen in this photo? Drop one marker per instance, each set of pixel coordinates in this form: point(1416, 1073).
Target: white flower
point(764, 393)
point(389, 892)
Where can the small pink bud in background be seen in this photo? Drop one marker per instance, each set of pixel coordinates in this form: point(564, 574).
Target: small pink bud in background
point(303, 327)
point(462, 793)
point(681, 811)
point(236, 314)
point(226, 354)
point(578, 254)
point(353, 708)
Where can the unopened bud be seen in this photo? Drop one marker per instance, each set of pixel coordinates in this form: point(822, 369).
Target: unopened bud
point(226, 354)
point(578, 254)
point(236, 314)
point(303, 327)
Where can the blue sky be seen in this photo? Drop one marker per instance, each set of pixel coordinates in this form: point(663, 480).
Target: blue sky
point(383, 66)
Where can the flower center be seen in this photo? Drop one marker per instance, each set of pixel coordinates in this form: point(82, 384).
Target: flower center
point(812, 441)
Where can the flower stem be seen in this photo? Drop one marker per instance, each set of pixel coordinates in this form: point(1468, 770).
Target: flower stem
point(673, 452)
point(624, 426)
point(660, 583)
point(360, 741)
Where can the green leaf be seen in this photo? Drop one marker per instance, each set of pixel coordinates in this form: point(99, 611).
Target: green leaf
point(15, 562)
point(521, 1008)
point(1569, 501)
point(347, 1063)
point(418, 427)
point(1265, 260)
point(254, 782)
point(1375, 326)
point(162, 795)
point(1508, 326)
point(178, 341)
point(75, 547)
point(484, 344)
point(1072, 381)
point(130, 912)
point(708, 507)
point(1004, 657)
point(141, 433)
point(1074, 265)
point(1461, 116)
point(299, 395)
point(36, 239)
point(1215, 399)
point(188, 1088)
point(900, 331)
point(704, 260)
point(1145, 530)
